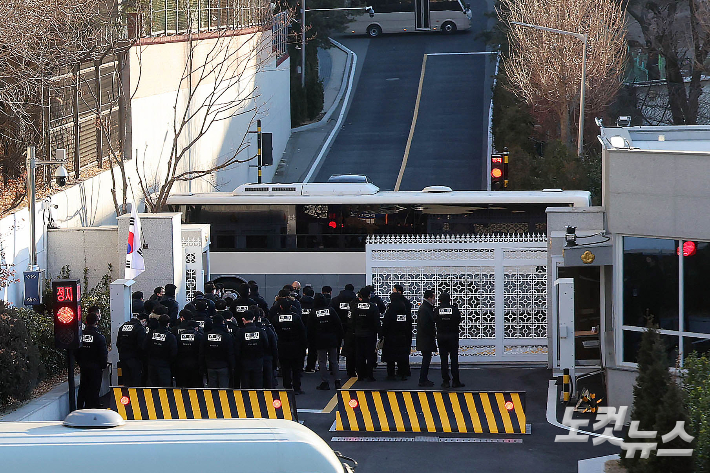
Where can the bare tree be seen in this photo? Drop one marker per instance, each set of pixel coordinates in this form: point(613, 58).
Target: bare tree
point(545, 68)
point(39, 39)
point(678, 31)
point(217, 87)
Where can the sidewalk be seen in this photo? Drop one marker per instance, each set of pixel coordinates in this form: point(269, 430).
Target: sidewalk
point(306, 141)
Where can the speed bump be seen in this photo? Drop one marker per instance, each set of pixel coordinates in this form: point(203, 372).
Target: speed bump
point(431, 411)
point(177, 403)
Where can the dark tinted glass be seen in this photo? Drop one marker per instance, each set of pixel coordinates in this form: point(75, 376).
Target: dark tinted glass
point(444, 5)
point(632, 343)
point(696, 286)
point(345, 227)
point(651, 282)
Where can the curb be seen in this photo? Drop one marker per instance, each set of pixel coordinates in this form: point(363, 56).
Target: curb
point(336, 102)
point(336, 128)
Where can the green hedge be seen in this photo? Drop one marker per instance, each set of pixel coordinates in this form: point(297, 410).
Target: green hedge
point(19, 360)
point(41, 329)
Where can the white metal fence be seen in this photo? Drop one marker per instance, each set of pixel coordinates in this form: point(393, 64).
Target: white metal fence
point(499, 283)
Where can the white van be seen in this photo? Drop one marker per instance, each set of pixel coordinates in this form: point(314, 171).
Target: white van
point(100, 440)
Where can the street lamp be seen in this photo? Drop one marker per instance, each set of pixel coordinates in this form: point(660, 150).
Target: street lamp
point(370, 10)
point(583, 39)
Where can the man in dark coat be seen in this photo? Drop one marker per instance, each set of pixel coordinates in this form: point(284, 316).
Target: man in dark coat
point(160, 348)
point(306, 314)
point(137, 304)
point(325, 333)
point(426, 336)
point(447, 318)
point(168, 300)
point(291, 335)
point(341, 304)
point(189, 338)
point(366, 326)
point(92, 357)
point(129, 342)
point(397, 337)
point(254, 294)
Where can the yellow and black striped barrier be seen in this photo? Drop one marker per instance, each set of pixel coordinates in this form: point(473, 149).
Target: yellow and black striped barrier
point(431, 411)
point(177, 403)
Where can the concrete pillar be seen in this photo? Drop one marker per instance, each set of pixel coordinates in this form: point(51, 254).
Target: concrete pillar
point(162, 251)
point(565, 320)
point(120, 291)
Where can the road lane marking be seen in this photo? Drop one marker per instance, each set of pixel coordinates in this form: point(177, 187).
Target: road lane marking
point(411, 129)
point(334, 400)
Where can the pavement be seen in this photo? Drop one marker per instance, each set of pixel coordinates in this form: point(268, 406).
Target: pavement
point(306, 142)
point(410, 453)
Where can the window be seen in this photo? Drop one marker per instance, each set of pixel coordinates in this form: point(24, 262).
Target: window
point(444, 5)
point(664, 281)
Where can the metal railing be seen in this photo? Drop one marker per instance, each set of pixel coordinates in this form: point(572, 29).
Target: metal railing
point(280, 34)
point(174, 17)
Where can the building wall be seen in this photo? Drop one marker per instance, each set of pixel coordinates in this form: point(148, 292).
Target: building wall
point(91, 248)
point(658, 193)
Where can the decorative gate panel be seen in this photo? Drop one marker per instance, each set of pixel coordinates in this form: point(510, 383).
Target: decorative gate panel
point(499, 283)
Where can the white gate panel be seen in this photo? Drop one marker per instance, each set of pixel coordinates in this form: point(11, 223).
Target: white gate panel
point(499, 283)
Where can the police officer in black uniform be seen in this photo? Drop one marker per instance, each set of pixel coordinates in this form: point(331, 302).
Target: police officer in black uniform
point(241, 305)
point(366, 326)
point(218, 354)
point(190, 336)
point(92, 357)
point(252, 346)
point(341, 304)
point(397, 337)
point(447, 318)
point(272, 354)
point(254, 294)
point(168, 300)
point(306, 313)
point(291, 335)
point(160, 347)
point(129, 342)
point(325, 331)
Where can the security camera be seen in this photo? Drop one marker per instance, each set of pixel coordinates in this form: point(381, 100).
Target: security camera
point(60, 176)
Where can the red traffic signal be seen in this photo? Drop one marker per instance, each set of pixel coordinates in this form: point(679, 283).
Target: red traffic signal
point(499, 171)
point(67, 313)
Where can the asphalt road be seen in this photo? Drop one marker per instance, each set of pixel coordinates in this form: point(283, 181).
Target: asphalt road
point(534, 453)
point(450, 139)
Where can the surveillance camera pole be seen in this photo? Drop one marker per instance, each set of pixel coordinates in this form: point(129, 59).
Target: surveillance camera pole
point(32, 164)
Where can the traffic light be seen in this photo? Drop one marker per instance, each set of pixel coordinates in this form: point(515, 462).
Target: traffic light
point(499, 170)
point(67, 313)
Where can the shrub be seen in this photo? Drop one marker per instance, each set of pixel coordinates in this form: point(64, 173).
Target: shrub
point(41, 329)
point(696, 387)
point(19, 360)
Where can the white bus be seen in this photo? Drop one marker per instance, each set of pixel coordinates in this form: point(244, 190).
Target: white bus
point(398, 16)
point(317, 232)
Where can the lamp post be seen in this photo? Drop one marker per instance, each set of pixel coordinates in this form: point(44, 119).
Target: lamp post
point(368, 9)
point(583, 38)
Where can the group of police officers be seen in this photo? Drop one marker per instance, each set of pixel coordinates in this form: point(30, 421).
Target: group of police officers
point(235, 340)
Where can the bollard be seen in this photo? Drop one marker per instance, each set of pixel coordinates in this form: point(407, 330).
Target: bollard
point(565, 385)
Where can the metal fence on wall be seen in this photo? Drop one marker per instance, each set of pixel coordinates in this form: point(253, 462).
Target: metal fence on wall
point(172, 17)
